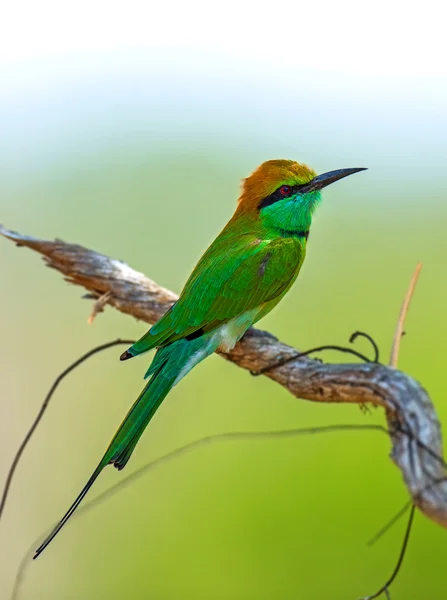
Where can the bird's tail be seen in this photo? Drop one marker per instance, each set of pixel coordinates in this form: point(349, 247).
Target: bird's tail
point(170, 364)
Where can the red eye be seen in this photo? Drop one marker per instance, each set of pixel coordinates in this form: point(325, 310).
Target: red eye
point(285, 190)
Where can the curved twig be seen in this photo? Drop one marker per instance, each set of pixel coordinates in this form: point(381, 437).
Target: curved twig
point(41, 413)
point(384, 588)
point(370, 339)
point(282, 362)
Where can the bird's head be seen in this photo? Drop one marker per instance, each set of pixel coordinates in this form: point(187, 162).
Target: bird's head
point(284, 193)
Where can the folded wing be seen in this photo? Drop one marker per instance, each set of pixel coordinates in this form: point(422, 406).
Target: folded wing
point(232, 277)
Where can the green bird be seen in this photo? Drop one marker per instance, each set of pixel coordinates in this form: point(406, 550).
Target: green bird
point(245, 272)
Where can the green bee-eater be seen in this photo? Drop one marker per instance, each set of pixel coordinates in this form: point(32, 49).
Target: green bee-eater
point(245, 272)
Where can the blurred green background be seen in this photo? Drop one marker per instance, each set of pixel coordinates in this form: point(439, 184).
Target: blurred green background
point(137, 150)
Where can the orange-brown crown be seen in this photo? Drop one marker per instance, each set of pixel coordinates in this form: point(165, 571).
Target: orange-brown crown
point(270, 176)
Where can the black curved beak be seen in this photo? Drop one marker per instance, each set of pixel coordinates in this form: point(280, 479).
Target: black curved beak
point(321, 181)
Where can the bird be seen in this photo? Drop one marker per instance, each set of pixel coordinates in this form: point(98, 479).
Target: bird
point(240, 278)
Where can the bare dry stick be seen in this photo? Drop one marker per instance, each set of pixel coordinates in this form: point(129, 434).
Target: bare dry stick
point(98, 307)
point(415, 431)
point(402, 316)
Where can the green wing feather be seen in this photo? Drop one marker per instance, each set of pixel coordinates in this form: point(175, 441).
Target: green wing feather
point(233, 276)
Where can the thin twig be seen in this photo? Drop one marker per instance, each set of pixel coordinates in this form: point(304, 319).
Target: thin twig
point(283, 361)
point(41, 413)
point(385, 587)
point(400, 514)
point(402, 316)
point(376, 537)
point(371, 340)
point(177, 453)
point(98, 306)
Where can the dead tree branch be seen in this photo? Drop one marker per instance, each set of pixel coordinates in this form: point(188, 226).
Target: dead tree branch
point(415, 431)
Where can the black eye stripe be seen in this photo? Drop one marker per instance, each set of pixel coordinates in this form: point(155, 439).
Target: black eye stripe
point(278, 195)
